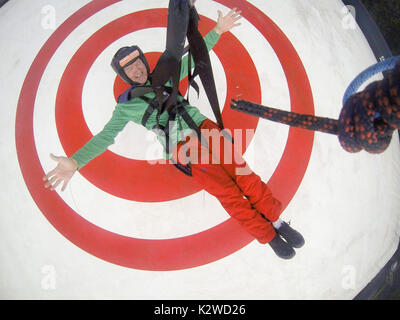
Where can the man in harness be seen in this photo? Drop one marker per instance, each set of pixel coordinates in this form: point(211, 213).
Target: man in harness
point(153, 101)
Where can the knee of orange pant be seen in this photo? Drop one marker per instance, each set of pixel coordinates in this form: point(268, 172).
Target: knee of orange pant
point(272, 211)
point(276, 210)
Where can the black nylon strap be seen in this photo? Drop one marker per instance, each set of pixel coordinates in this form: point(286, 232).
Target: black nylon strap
point(148, 112)
point(191, 82)
point(192, 125)
point(168, 66)
point(153, 105)
point(203, 64)
point(182, 22)
point(187, 169)
point(140, 91)
point(171, 117)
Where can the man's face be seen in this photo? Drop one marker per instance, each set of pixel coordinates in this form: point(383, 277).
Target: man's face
point(137, 71)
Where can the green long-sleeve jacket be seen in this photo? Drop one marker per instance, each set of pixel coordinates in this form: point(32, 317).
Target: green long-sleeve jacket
point(134, 110)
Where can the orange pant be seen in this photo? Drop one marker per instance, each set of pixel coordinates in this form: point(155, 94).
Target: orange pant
point(222, 172)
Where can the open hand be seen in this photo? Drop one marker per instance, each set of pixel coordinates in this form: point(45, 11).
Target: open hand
point(64, 171)
point(227, 22)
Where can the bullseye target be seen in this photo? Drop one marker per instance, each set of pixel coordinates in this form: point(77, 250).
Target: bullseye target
point(133, 184)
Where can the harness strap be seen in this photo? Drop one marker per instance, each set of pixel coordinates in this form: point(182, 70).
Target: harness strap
point(192, 125)
point(182, 22)
point(148, 112)
point(191, 77)
point(168, 66)
point(139, 91)
point(203, 64)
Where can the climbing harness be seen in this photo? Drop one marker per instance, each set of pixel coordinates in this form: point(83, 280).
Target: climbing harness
point(182, 23)
point(367, 119)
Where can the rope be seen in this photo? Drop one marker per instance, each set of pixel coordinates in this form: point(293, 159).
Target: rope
point(367, 119)
point(382, 66)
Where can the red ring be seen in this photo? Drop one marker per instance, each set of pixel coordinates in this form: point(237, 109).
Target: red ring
point(171, 254)
point(138, 180)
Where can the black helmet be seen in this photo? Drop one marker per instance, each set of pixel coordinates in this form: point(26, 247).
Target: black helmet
point(131, 54)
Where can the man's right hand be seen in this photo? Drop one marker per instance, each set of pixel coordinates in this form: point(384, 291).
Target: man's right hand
point(64, 171)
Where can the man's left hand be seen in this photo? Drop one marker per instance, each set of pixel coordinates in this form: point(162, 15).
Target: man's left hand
point(227, 22)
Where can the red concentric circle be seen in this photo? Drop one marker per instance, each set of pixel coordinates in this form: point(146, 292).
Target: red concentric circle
point(152, 180)
point(170, 254)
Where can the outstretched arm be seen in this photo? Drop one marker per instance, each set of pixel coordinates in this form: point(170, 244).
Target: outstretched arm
point(227, 22)
point(66, 167)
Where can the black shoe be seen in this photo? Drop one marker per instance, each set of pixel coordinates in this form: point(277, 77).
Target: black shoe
point(292, 237)
point(281, 248)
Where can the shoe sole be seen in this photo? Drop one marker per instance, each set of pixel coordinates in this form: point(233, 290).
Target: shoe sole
point(288, 257)
point(297, 246)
